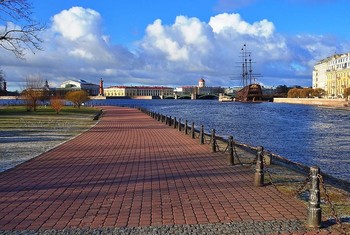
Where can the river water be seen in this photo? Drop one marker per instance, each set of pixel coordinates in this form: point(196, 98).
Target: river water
point(306, 134)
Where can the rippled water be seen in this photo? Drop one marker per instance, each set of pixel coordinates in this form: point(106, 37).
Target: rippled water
point(306, 134)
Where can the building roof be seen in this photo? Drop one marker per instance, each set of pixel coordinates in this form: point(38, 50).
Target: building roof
point(80, 81)
point(142, 87)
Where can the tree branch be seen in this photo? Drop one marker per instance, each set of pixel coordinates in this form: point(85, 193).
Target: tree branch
point(23, 33)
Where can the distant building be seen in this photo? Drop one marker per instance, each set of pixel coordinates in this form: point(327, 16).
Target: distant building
point(90, 88)
point(138, 91)
point(319, 77)
point(201, 83)
point(332, 74)
point(338, 75)
point(201, 89)
point(76, 85)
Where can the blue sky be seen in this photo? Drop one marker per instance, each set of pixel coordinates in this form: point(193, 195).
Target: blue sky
point(174, 43)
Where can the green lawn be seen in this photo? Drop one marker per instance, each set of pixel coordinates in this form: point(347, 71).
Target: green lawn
point(41, 110)
point(17, 117)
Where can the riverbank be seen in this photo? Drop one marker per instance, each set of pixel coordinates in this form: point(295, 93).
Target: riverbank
point(335, 103)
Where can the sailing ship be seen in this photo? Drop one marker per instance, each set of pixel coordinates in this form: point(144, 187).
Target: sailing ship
point(251, 91)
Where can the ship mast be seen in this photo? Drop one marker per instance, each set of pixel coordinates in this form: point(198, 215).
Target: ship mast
point(247, 69)
point(244, 66)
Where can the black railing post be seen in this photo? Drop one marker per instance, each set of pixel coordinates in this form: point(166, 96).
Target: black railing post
point(179, 124)
point(231, 160)
point(175, 123)
point(213, 141)
point(192, 131)
point(314, 209)
point(201, 135)
point(259, 169)
point(186, 127)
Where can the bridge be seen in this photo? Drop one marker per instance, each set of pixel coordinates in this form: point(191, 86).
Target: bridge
point(192, 96)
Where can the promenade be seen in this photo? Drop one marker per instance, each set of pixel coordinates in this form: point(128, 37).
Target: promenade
point(133, 174)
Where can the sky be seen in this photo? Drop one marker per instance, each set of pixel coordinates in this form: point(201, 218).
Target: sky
point(175, 43)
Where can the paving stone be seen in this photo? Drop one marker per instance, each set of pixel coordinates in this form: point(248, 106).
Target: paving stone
point(144, 177)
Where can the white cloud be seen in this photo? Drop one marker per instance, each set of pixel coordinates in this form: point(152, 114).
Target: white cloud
point(159, 40)
point(76, 23)
point(234, 23)
point(170, 54)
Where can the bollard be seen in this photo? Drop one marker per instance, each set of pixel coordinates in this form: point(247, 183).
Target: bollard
point(192, 131)
point(259, 169)
point(213, 141)
point(314, 209)
point(186, 127)
point(179, 124)
point(175, 122)
point(231, 160)
point(169, 123)
point(201, 135)
point(166, 120)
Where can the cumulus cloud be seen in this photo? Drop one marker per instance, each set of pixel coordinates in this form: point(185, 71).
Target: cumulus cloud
point(233, 23)
point(187, 36)
point(212, 49)
point(170, 54)
point(82, 23)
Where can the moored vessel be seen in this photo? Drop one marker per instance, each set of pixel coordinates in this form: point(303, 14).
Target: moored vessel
point(251, 91)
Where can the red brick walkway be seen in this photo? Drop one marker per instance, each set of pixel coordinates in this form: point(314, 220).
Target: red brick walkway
point(130, 170)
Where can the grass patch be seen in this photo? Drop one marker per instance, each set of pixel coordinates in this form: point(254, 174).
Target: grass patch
point(44, 111)
point(24, 134)
point(17, 117)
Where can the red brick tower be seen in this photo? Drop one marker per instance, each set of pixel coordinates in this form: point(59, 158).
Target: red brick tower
point(101, 88)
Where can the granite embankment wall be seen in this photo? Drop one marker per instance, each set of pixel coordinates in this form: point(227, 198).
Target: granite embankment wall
point(313, 101)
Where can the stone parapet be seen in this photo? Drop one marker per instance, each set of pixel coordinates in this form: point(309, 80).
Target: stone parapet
point(313, 101)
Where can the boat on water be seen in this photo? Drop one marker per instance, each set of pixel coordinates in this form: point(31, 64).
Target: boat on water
point(251, 91)
point(226, 98)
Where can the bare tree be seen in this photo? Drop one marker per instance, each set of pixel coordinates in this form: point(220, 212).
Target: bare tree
point(33, 92)
point(18, 30)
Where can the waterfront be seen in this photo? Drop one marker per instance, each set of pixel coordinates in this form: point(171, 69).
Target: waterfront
point(306, 134)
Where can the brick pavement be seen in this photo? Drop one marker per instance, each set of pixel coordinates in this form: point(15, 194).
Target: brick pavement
point(130, 171)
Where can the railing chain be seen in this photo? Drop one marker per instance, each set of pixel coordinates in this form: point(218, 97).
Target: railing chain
point(328, 199)
point(247, 165)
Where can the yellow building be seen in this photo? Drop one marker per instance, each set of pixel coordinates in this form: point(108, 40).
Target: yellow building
point(337, 81)
point(338, 75)
point(333, 75)
point(138, 91)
